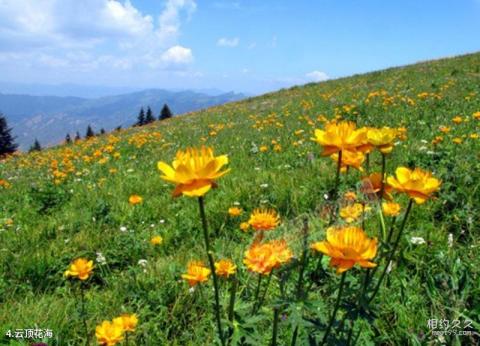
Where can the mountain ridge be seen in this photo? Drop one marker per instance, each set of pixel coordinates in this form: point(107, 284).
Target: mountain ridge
point(50, 118)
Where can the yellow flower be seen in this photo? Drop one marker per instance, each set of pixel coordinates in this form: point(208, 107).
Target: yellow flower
point(340, 137)
point(457, 140)
point(476, 115)
point(109, 333)
point(194, 171)
point(382, 138)
point(244, 226)
point(225, 268)
point(348, 246)
point(135, 199)
point(444, 129)
point(263, 148)
point(156, 240)
point(263, 258)
point(196, 273)
point(351, 212)
point(264, 219)
point(474, 135)
point(127, 322)
point(391, 208)
point(235, 211)
point(80, 268)
point(417, 183)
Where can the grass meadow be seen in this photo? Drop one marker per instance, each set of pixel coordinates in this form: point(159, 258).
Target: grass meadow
point(75, 201)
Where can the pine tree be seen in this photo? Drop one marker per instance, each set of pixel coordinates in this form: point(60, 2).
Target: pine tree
point(102, 131)
point(165, 113)
point(141, 118)
point(89, 132)
point(118, 128)
point(7, 143)
point(35, 146)
point(149, 118)
point(68, 139)
point(77, 137)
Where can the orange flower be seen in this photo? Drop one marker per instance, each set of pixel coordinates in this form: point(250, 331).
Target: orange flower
point(391, 208)
point(194, 171)
point(340, 137)
point(127, 322)
point(457, 119)
point(235, 211)
point(135, 199)
point(109, 333)
point(80, 268)
point(263, 258)
point(350, 159)
point(156, 240)
point(264, 219)
point(417, 183)
point(351, 212)
point(244, 226)
point(196, 273)
point(372, 184)
point(346, 247)
point(225, 268)
point(350, 196)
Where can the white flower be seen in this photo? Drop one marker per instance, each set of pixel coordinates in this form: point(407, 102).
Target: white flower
point(191, 290)
point(257, 168)
point(162, 221)
point(101, 258)
point(142, 262)
point(123, 229)
point(236, 203)
point(424, 141)
point(450, 239)
point(417, 240)
point(263, 186)
point(325, 196)
point(130, 170)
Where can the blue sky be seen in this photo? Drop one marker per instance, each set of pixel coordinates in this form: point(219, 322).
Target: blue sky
point(242, 45)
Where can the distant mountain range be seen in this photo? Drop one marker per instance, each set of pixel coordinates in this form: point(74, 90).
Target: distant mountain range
point(50, 118)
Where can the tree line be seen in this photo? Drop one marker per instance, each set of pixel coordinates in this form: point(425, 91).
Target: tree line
point(8, 145)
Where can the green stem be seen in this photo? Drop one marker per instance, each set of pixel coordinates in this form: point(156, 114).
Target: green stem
point(382, 184)
point(257, 292)
point(84, 315)
point(126, 339)
point(392, 251)
point(276, 312)
point(262, 298)
point(335, 190)
point(368, 164)
point(201, 204)
point(303, 264)
point(390, 233)
point(231, 305)
point(337, 305)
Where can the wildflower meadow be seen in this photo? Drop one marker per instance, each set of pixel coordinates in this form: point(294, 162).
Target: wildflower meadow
point(339, 213)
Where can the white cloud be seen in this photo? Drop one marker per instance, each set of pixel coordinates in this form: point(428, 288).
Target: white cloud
point(228, 42)
point(91, 36)
point(178, 55)
point(317, 76)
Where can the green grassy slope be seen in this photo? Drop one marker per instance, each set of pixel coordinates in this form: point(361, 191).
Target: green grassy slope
point(47, 221)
